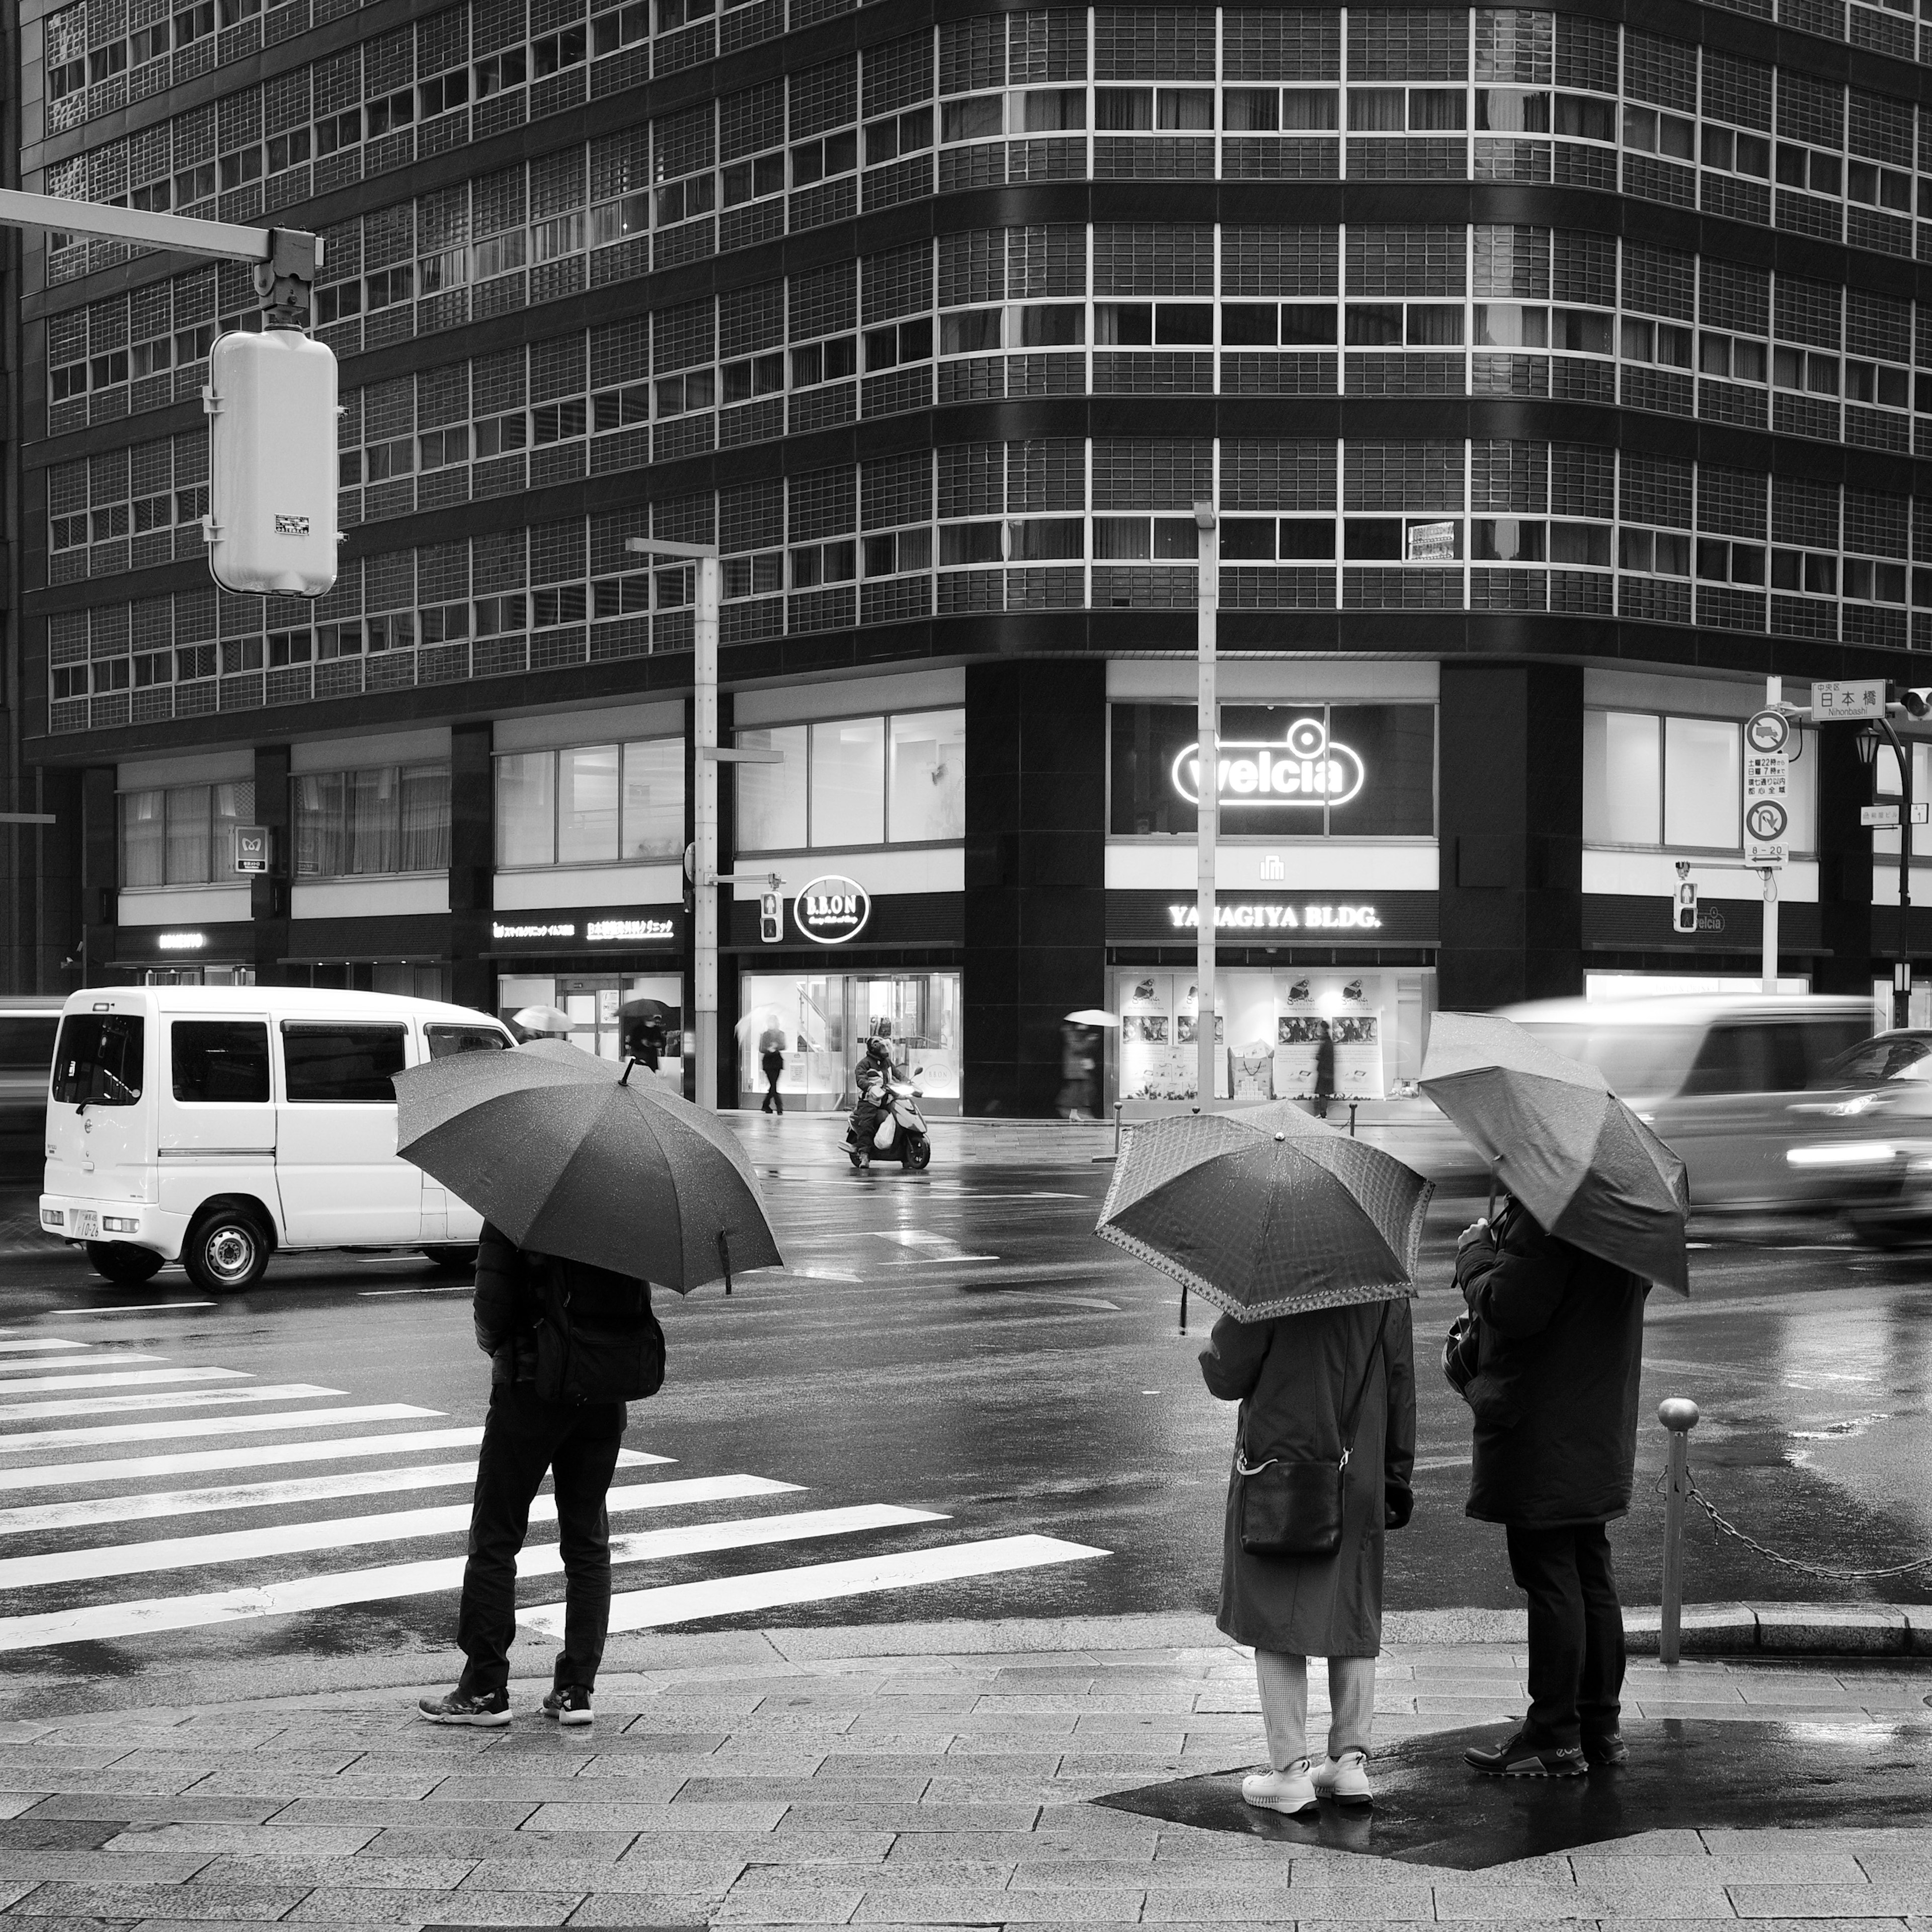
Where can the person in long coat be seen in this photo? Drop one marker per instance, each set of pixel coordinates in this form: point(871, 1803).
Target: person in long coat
point(1297, 1378)
point(1555, 1395)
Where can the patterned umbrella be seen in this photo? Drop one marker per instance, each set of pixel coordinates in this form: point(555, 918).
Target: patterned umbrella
point(1562, 1144)
point(1266, 1212)
point(569, 1156)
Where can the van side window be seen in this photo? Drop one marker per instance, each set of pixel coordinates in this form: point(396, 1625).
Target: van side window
point(329, 1060)
point(97, 1063)
point(220, 1060)
point(1757, 1057)
point(445, 1040)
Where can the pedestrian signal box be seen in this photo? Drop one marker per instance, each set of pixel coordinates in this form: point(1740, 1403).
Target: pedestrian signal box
point(771, 918)
point(271, 464)
point(1685, 913)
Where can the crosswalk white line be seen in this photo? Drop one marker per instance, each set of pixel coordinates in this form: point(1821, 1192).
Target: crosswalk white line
point(28, 1364)
point(117, 1378)
point(259, 1456)
point(46, 1344)
point(347, 1532)
point(94, 1623)
point(115, 1405)
point(814, 1582)
point(174, 1428)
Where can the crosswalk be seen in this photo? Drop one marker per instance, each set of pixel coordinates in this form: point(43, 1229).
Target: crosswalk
point(95, 1524)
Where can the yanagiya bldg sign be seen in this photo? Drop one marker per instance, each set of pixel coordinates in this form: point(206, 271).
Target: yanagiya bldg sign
point(1278, 915)
point(1308, 769)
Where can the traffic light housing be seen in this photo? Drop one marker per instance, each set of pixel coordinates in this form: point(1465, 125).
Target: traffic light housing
point(1917, 700)
point(271, 464)
point(771, 918)
point(1683, 913)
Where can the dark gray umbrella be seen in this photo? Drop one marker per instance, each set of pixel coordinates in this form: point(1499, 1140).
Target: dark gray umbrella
point(569, 1156)
point(1266, 1212)
point(1562, 1144)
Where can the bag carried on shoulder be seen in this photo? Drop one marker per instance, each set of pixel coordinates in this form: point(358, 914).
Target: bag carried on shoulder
point(1295, 1508)
point(597, 1339)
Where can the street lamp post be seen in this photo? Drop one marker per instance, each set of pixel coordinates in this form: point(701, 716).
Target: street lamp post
point(1207, 790)
point(1868, 744)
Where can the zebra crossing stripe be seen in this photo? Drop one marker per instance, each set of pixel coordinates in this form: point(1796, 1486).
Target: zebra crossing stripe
point(117, 1378)
point(95, 1623)
point(22, 1365)
point(117, 1404)
point(42, 1346)
point(814, 1582)
point(347, 1532)
point(176, 1427)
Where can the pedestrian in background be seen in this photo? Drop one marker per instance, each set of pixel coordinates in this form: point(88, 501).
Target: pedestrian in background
point(558, 1334)
point(1333, 1384)
point(771, 1062)
point(1559, 1350)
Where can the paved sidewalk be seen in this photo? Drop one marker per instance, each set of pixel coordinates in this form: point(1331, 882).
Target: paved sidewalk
point(886, 1775)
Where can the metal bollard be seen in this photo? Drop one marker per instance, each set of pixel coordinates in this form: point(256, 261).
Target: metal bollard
point(1118, 1106)
point(1679, 1415)
point(1352, 1105)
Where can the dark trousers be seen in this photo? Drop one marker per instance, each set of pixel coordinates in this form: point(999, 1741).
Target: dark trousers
point(774, 1100)
point(1575, 1631)
point(522, 1438)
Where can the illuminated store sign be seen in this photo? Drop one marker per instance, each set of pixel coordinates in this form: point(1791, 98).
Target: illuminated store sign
point(627, 928)
point(631, 931)
point(1308, 768)
point(1277, 915)
point(831, 909)
point(180, 942)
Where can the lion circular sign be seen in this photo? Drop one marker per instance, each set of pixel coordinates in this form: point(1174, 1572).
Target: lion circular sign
point(831, 909)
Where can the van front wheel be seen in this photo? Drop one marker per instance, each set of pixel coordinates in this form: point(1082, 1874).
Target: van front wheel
point(121, 1261)
point(225, 1252)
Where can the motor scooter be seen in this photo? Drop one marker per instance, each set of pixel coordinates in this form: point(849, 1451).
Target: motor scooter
point(901, 1131)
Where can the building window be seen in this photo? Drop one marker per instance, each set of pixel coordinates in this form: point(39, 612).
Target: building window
point(591, 805)
point(183, 835)
point(386, 819)
point(1678, 783)
point(899, 779)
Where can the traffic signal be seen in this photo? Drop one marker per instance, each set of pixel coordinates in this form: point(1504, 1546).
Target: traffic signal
point(1917, 701)
point(271, 464)
point(771, 918)
point(1684, 914)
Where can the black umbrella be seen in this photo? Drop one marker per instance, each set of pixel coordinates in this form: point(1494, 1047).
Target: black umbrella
point(644, 1008)
point(569, 1156)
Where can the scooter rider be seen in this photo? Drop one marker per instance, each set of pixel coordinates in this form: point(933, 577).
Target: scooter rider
point(871, 1077)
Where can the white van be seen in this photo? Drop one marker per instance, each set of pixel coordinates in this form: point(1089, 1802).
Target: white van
point(215, 1124)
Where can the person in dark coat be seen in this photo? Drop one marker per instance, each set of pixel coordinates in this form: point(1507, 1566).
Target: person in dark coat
point(523, 1437)
point(1555, 1395)
point(1297, 1379)
point(771, 1062)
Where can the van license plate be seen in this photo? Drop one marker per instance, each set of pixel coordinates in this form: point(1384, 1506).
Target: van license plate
point(86, 1223)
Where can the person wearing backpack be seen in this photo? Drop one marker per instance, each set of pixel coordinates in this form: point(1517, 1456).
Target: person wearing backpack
point(569, 1344)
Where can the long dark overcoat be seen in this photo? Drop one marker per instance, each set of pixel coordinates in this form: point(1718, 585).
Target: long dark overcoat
point(1295, 1379)
point(1555, 1391)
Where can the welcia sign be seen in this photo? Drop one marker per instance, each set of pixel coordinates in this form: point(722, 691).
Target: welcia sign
point(1308, 768)
point(831, 909)
point(1277, 915)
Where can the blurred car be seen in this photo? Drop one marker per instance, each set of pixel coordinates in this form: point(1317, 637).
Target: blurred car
point(1720, 1078)
point(28, 1028)
point(1872, 1140)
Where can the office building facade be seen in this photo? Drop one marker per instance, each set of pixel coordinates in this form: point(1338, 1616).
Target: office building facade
point(1556, 375)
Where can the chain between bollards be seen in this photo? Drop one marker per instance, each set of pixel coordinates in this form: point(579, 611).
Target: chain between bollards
point(1679, 1415)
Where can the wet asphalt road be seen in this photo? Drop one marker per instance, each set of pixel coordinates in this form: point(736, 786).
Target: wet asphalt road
point(959, 1342)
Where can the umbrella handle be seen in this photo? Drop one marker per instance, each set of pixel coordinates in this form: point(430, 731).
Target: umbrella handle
point(725, 1257)
point(624, 1080)
point(1183, 1308)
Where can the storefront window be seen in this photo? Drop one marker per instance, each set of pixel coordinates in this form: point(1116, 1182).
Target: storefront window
point(183, 836)
point(386, 819)
point(1651, 780)
point(591, 805)
point(855, 781)
point(1623, 778)
point(614, 1015)
point(819, 1023)
point(1702, 781)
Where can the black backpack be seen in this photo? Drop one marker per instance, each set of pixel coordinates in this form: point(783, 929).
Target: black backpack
point(597, 1339)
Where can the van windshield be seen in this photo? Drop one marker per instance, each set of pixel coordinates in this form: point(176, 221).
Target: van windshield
point(1635, 1060)
point(97, 1063)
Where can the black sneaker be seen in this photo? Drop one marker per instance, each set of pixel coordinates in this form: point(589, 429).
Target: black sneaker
point(491, 1710)
point(569, 1704)
point(1514, 1758)
point(1608, 1749)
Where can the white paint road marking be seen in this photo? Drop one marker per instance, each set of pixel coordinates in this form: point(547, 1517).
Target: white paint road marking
point(40, 1347)
point(815, 1582)
point(120, 1378)
point(254, 1455)
point(344, 1532)
point(96, 1623)
point(120, 1405)
point(27, 1367)
point(212, 1425)
point(133, 1308)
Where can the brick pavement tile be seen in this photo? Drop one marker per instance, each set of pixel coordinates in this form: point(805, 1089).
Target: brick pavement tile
point(1792, 1865)
point(789, 1905)
point(959, 1874)
point(268, 1765)
point(326, 1907)
point(1040, 1724)
point(923, 1905)
point(1900, 1867)
point(1502, 1901)
point(819, 1789)
point(113, 1780)
point(669, 1877)
point(644, 1729)
point(1686, 1844)
point(226, 1784)
point(156, 1901)
point(631, 1908)
point(842, 1762)
point(933, 1815)
point(216, 1839)
point(1056, 1874)
point(1722, 1839)
point(12, 1803)
point(397, 1842)
point(512, 1788)
point(123, 1808)
point(102, 1867)
point(374, 1874)
point(621, 1767)
point(47, 1760)
point(15, 1888)
point(314, 1808)
point(789, 1844)
point(1826, 1901)
point(675, 1817)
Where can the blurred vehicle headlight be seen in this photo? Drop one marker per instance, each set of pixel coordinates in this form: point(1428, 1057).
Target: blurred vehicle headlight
point(1859, 1103)
point(1843, 1153)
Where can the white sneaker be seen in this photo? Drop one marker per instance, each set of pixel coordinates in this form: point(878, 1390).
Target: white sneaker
point(1345, 1779)
point(1290, 1790)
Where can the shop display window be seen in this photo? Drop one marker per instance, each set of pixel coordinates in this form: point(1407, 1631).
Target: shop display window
point(613, 1015)
point(183, 835)
point(384, 819)
point(1654, 781)
point(820, 1022)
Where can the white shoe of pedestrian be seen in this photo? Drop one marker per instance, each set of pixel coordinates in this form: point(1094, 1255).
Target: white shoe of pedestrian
point(1345, 1779)
point(1291, 1790)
